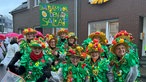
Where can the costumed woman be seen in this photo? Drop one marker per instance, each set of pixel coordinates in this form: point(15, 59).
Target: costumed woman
point(97, 66)
point(132, 50)
point(71, 40)
point(62, 40)
point(24, 45)
point(122, 61)
point(52, 49)
point(100, 36)
point(34, 65)
point(54, 55)
point(73, 70)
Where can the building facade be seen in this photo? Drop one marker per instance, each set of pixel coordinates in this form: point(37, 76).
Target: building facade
point(113, 16)
point(28, 15)
point(84, 18)
point(5, 24)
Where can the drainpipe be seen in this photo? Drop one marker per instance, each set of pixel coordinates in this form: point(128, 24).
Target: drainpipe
point(75, 15)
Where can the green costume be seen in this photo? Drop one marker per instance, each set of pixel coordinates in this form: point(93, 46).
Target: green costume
point(104, 47)
point(24, 47)
point(74, 73)
point(97, 70)
point(52, 58)
point(61, 45)
point(121, 67)
point(33, 68)
point(105, 53)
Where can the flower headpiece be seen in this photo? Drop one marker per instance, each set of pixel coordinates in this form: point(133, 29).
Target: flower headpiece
point(38, 42)
point(62, 30)
point(94, 46)
point(78, 51)
point(29, 30)
point(50, 37)
point(118, 41)
point(71, 34)
point(125, 35)
point(101, 35)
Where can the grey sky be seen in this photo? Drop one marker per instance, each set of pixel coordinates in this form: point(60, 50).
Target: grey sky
point(7, 6)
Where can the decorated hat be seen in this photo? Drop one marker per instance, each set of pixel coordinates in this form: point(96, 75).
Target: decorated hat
point(50, 37)
point(78, 51)
point(94, 46)
point(125, 35)
point(62, 30)
point(29, 30)
point(101, 35)
point(72, 35)
point(118, 41)
point(38, 42)
point(39, 34)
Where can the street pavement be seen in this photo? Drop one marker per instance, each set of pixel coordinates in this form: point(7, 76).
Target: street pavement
point(141, 79)
point(143, 74)
point(2, 72)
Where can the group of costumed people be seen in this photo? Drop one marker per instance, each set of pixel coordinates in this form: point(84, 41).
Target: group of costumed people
point(61, 59)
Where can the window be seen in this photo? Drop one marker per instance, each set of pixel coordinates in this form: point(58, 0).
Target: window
point(50, 1)
point(109, 27)
point(1, 28)
point(36, 2)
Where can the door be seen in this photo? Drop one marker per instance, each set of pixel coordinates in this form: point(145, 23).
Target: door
point(143, 35)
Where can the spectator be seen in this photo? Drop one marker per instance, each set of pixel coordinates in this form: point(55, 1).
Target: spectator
point(12, 48)
point(2, 51)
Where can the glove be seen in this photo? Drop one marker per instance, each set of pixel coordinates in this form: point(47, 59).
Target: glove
point(15, 59)
point(41, 79)
point(17, 70)
point(47, 71)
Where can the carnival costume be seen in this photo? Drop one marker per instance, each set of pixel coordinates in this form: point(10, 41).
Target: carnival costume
point(70, 45)
point(24, 47)
point(51, 51)
point(62, 42)
point(129, 38)
point(103, 41)
point(122, 66)
point(72, 73)
point(32, 67)
point(98, 68)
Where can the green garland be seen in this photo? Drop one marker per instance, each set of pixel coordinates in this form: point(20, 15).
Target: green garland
point(33, 68)
point(86, 42)
point(24, 47)
point(122, 67)
point(105, 52)
point(77, 73)
point(61, 46)
point(98, 70)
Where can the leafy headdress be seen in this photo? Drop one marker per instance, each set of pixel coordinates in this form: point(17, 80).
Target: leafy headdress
point(29, 30)
point(94, 46)
point(101, 35)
